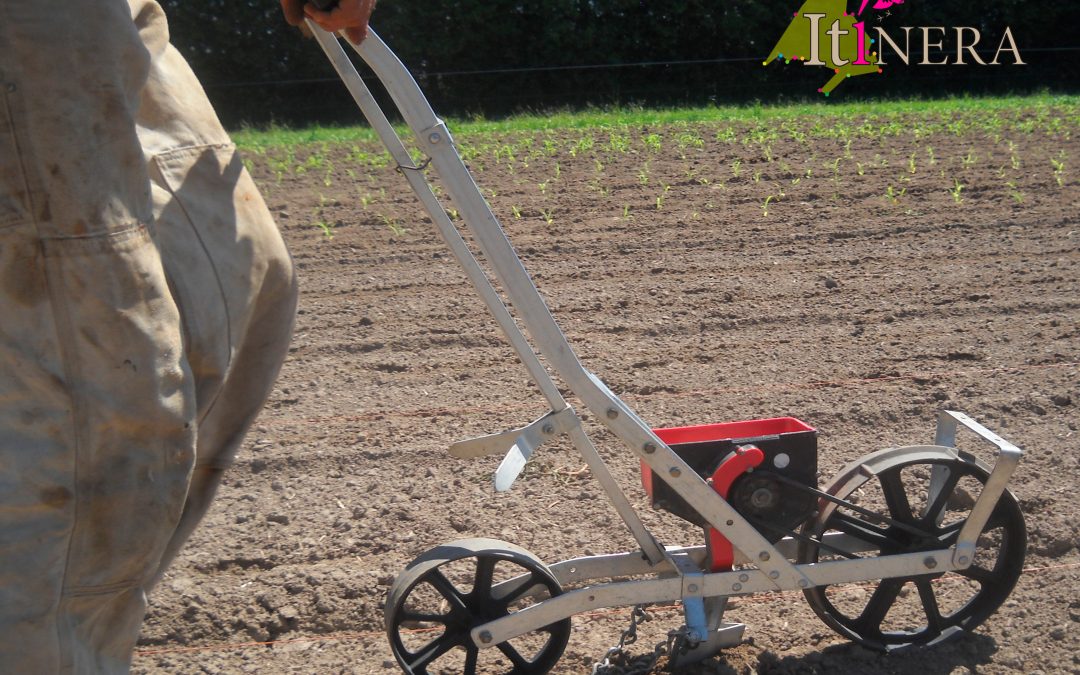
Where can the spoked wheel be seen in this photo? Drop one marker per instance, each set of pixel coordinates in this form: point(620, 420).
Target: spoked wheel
point(445, 593)
point(922, 497)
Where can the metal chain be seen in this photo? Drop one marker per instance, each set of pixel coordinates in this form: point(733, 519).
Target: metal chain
point(617, 661)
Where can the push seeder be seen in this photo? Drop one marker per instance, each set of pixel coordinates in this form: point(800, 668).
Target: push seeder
point(898, 521)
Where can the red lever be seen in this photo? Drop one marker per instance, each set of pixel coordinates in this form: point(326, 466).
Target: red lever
point(746, 457)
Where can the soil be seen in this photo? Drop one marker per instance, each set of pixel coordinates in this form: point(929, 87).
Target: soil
point(865, 296)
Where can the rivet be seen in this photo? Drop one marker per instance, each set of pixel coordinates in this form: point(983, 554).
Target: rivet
point(612, 413)
point(485, 637)
point(774, 575)
point(730, 522)
point(744, 577)
point(763, 556)
point(963, 560)
point(736, 587)
point(434, 137)
point(674, 472)
point(930, 562)
point(803, 583)
point(11, 87)
point(592, 598)
point(548, 429)
point(692, 588)
point(649, 448)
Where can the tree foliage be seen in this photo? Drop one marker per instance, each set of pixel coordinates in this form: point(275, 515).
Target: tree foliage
point(496, 56)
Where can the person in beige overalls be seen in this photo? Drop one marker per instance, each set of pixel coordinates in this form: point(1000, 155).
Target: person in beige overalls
point(146, 305)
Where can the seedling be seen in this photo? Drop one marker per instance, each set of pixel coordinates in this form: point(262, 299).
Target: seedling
point(765, 206)
point(548, 215)
point(726, 135)
point(516, 211)
point(619, 142)
point(689, 139)
point(394, 225)
point(956, 190)
point(1015, 193)
point(661, 196)
point(643, 173)
point(1059, 169)
point(736, 167)
point(894, 195)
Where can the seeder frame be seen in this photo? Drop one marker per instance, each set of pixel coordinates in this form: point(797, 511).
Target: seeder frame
point(679, 573)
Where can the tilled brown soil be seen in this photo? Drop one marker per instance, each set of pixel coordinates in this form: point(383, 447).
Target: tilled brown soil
point(864, 296)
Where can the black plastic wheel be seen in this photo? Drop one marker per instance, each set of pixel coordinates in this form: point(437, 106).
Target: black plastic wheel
point(445, 593)
point(926, 497)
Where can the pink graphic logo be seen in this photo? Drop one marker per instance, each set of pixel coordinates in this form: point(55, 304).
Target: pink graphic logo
point(823, 33)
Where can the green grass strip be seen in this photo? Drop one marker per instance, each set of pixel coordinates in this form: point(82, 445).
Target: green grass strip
point(277, 137)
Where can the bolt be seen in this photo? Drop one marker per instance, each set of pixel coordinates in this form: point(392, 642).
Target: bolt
point(736, 587)
point(963, 560)
point(674, 472)
point(774, 575)
point(764, 556)
point(649, 448)
point(803, 583)
point(730, 522)
point(434, 137)
point(692, 588)
point(930, 562)
point(485, 637)
point(744, 578)
point(548, 429)
point(612, 413)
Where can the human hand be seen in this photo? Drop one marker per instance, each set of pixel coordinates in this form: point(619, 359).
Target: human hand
point(349, 15)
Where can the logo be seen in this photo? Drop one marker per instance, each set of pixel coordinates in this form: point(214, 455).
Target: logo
point(824, 34)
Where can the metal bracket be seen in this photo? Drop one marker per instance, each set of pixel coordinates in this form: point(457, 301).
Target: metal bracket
point(518, 444)
point(1004, 465)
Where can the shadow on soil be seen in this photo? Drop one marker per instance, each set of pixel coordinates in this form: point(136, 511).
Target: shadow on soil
point(966, 655)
